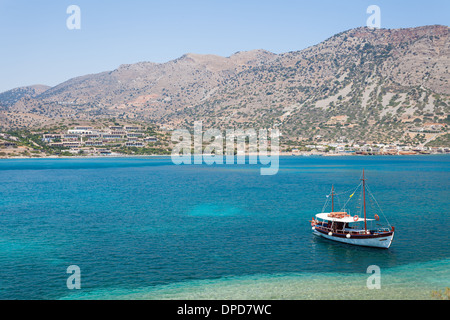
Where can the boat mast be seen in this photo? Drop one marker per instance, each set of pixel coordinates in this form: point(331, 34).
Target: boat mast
point(332, 200)
point(364, 199)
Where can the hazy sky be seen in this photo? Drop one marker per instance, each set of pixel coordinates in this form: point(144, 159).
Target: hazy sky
point(38, 48)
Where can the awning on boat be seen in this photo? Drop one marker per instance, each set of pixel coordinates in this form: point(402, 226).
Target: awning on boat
point(348, 219)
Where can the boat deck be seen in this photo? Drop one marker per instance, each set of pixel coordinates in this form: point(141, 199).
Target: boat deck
point(355, 233)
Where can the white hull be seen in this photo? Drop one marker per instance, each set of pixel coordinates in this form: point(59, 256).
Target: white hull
point(382, 242)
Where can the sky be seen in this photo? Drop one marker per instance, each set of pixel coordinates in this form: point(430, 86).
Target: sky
point(37, 47)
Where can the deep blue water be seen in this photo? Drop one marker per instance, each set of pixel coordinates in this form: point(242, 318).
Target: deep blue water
point(138, 222)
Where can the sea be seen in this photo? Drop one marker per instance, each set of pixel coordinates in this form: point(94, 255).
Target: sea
point(145, 228)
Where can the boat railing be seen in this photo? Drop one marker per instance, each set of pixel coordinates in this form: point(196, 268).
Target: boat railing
point(343, 231)
point(325, 227)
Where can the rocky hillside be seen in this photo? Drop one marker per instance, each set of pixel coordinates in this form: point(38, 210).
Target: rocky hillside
point(361, 83)
point(9, 98)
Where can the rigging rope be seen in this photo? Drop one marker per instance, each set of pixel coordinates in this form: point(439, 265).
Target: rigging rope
point(381, 211)
point(359, 200)
point(344, 192)
point(351, 196)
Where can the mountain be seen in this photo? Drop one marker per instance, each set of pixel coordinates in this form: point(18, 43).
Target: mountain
point(361, 83)
point(9, 98)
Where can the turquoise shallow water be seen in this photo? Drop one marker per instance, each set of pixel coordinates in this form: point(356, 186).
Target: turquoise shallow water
point(147, 229)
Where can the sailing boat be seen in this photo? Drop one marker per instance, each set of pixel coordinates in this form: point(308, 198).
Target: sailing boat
point(342, 227)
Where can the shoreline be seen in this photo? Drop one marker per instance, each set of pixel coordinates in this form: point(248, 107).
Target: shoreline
point(397, 284)
point(246, 155)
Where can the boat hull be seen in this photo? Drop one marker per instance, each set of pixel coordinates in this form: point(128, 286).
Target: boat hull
point(379, 241)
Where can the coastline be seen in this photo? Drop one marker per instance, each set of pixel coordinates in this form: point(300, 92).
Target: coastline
point(281, 154)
